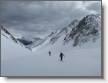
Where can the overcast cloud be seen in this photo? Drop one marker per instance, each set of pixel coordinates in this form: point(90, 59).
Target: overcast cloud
point(43, 16)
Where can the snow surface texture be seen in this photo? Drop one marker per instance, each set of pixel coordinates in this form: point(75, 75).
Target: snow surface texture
point(79, 60)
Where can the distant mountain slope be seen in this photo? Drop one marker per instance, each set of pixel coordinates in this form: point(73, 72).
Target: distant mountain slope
point(7, 34)
point(11, 49)
point(77, 32)
point(89, 28)
point(80, 32)
point(64, 31)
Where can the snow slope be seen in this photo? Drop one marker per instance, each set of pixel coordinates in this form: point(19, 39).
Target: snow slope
point(84, 60)
point(18, 61)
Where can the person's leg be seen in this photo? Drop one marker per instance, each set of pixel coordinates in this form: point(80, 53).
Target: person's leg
point(61, 58)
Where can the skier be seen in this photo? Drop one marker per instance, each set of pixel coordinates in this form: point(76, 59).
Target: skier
point(61, 56)
point(49, 53)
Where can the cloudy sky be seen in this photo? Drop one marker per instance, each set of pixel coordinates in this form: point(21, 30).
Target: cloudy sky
point(44, 16)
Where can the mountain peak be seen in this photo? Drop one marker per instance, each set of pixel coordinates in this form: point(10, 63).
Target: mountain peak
point(77, 32)
point(87, 29)
point(73, 23)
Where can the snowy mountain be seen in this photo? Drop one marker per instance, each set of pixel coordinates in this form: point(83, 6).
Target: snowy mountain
point(8, 35)
point(78, 61)
point(18, 61)
point(64, 31)
point(78, 32)
point(88, 29)
point(30, 42)
point(10, 47)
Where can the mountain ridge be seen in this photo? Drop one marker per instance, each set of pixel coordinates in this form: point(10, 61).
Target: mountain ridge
point(77, 32)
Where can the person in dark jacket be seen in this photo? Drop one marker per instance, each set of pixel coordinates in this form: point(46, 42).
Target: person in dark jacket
point(61, 56)
point(49, 53)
